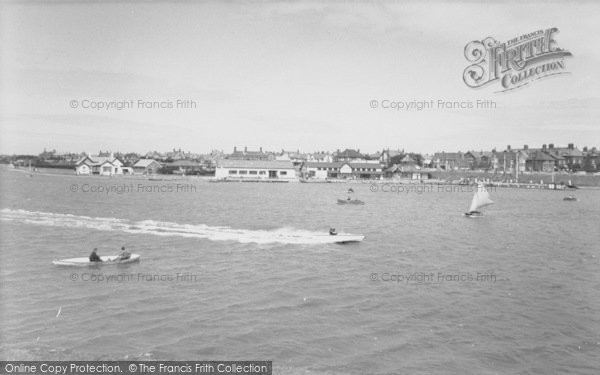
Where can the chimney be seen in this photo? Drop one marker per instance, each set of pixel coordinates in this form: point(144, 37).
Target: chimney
point(544, 147)
point(525, 147)
point(234, 149)
point(585, 149)
point(551, 146)
point(261, 150)
point(508, 147)
point(245, 148)
point(571, 146)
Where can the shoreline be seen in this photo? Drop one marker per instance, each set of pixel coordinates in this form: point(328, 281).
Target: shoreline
point(560, 183)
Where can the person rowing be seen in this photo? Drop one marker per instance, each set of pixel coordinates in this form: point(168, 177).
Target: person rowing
point(123, 255)
point(94, 257)
point(332, 232)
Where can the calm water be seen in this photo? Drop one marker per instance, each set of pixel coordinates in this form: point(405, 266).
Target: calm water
point(264, 288)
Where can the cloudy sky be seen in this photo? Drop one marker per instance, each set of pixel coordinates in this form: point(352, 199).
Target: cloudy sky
point(284, 75)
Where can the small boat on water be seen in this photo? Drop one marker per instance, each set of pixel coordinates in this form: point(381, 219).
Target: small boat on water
point(106, 261)
point(481, 198)
point(342, 238)
point(570, 198)
point(350, 201)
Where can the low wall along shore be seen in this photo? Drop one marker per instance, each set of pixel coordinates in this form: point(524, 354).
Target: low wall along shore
point(535, 177)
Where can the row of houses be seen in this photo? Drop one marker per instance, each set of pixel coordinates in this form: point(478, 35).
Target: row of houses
point(276, 169)
point(548, 158)
point(351, 164)
point(106, 162)
point(291, 165)
point(348, 163)
point(286, 170)
point(112, 165)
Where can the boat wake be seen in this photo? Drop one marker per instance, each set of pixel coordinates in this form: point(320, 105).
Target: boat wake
point(162, 228)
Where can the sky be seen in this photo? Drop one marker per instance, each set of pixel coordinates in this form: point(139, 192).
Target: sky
point(284, 75)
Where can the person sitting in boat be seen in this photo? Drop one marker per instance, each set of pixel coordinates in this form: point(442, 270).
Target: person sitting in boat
point(332, 232)
point(94, 257)
point(123, 255)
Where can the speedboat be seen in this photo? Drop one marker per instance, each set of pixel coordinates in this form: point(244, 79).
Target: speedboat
point(342, 238)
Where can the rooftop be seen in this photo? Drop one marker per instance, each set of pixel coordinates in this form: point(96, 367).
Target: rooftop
point(143, 163)
point(255, 164)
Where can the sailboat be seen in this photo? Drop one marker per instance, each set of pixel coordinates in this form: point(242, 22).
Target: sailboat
point(481, 198)
point(350, 200)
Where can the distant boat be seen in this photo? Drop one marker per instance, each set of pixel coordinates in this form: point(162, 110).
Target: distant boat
point(570, 198)
point(106, 260)
point(350, 201)
point(481, 198)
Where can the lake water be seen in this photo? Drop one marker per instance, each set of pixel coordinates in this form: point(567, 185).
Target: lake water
point(427, 292)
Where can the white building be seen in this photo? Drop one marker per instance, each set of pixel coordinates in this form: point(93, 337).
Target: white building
point(101, 165)
point(344, 170)
point(322, 171)
point(84, 166)
point(255, 169)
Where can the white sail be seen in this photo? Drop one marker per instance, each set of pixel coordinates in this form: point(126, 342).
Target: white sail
point(473, 206)
point(480, 199)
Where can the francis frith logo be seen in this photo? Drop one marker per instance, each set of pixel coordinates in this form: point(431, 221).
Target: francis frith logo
point(515, 63)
